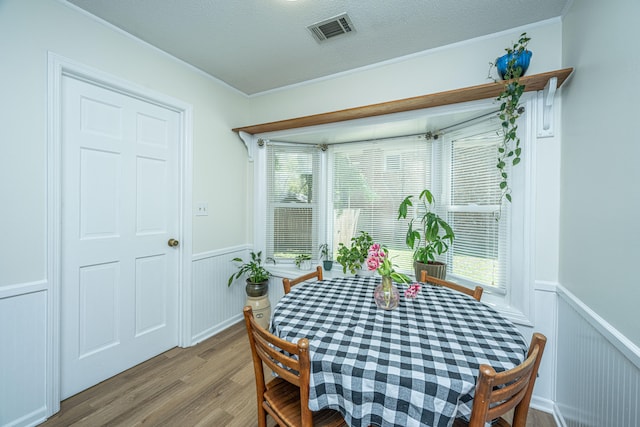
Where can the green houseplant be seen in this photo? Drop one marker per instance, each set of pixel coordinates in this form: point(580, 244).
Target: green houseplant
point(352, 257)
point(428, 237)
point(303, 261)
point(257, 276)
point(510, 109)
point(326, 256)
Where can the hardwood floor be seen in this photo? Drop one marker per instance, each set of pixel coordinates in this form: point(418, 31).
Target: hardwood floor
point(210, 384)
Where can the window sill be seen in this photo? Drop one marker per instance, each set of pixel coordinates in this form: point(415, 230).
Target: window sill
point(291, 271)
point(499, 304)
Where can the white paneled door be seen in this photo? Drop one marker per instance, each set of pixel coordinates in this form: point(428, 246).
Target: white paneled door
point(119, 290)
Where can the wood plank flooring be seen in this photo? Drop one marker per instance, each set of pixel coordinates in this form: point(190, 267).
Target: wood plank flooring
point(210, 384)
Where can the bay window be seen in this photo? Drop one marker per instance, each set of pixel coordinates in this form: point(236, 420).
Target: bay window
point(327, 194)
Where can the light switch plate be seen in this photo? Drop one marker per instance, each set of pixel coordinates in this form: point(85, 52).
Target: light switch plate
point(202, 209)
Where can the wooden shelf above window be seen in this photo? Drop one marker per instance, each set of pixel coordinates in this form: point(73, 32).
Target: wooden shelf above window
point(473, 93)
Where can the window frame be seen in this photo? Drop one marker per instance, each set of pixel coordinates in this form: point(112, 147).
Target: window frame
point(317, 217)
point(447, 207)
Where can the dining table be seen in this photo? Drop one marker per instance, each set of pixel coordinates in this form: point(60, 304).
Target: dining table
point(415, 365)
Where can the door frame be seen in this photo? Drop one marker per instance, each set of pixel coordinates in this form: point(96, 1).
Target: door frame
point(59, 66)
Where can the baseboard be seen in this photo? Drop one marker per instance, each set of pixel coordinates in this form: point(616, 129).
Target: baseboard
point(557, 416)
point(541, 404)
point(216, 329)
point(32, 419)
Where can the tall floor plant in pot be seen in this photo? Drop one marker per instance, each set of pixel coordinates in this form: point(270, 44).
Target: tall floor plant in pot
point(428, 235)
point(257, 276)
point(257, 286)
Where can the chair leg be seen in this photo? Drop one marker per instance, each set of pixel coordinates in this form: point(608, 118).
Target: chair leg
point(262, 417)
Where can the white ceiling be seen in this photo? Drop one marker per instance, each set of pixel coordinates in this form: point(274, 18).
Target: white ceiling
point(259, 45)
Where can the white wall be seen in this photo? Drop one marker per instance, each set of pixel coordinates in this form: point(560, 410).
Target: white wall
point(600, 230)
point(28, 31)
point(598, 354)
point(451, 67)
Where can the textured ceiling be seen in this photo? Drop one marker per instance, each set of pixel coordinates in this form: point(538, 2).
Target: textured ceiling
point(259, 45)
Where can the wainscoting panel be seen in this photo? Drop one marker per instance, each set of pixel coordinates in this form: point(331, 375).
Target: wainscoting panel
point(598, 370)
point(545, 323)
point(215, 306)
point(23, 369)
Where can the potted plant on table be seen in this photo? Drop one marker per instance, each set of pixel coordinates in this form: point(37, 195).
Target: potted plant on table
point(429, 237)
point(352, 257)
point(326, 256)
point(257, 276)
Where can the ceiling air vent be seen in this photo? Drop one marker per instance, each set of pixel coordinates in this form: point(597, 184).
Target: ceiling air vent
point(332, 27)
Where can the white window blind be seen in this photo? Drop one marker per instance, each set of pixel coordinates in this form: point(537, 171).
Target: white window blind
point(292, 206)
point(368, 180)
point(480, 252)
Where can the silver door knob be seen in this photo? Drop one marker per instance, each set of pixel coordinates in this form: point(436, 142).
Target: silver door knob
point(173, 243)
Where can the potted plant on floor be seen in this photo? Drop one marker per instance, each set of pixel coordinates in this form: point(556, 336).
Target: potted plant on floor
point(429, 237)
point(326, 256)
point(257, 277)
point(352, 257)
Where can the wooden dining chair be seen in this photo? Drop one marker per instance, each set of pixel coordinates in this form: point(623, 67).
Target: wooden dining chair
point(476, 293)
point(498, 393)
point(288, 283)
point(286, 397)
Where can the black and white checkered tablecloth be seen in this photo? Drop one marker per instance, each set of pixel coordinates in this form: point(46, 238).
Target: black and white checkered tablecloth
point(413, 366)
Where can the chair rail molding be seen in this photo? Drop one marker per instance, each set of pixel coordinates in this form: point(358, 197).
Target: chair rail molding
point(618, 340)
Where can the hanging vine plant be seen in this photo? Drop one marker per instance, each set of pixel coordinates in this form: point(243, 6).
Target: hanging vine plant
point(511, 67)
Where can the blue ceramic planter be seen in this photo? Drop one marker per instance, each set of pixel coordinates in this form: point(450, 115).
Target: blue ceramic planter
point(522, 60)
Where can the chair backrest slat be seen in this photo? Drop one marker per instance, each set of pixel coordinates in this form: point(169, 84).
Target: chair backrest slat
point(289, 283)
point(504, 407)
point(509, 391)
point(475, 293)
point(273, 357)
point(266, 336)
point(277, 368)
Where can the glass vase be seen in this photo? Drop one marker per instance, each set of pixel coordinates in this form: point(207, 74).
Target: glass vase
point(386, 294)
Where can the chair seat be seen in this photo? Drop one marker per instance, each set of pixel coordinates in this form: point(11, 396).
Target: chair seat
point(283, 399)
